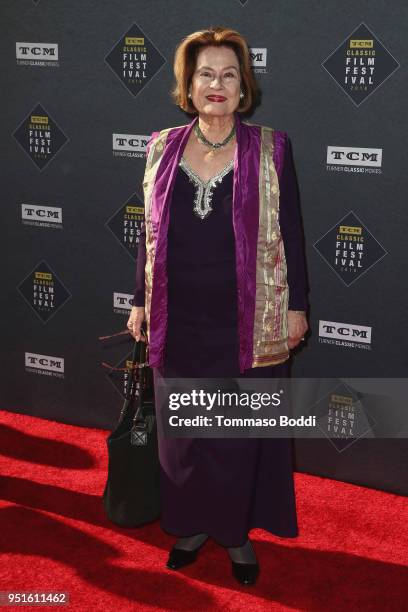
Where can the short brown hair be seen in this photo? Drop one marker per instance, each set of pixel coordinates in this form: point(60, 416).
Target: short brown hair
point(186, 57)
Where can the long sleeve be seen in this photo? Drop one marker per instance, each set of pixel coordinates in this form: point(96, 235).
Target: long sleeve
point(292, 233)
point(139, 289)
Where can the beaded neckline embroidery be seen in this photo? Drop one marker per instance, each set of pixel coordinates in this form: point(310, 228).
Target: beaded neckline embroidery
point(203, 196)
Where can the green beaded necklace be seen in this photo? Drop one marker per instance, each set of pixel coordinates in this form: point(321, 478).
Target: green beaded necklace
point(214, 145)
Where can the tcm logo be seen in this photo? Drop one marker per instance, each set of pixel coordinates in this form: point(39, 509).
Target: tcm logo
point(345, 331)
point(37, 51)
point(352, 156)
point(122, 300)
point(258, 57)
point(130, 142)
point(51, 214)
point(44, 362)
point(345, 400)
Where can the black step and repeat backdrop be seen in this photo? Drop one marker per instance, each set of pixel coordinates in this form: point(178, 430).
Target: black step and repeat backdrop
point(85, 82)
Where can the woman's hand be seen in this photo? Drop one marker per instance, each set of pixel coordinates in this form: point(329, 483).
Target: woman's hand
point(297, 327)
point(137, 315)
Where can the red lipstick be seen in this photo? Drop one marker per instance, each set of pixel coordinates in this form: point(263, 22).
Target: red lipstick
point(216, 98)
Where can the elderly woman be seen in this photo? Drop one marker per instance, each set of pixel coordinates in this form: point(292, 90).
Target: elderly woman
point(221, 284)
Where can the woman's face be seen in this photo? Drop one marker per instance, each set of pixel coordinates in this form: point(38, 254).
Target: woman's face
point(216, 82)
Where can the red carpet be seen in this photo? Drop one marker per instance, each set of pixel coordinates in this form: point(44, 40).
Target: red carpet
point(352, 553)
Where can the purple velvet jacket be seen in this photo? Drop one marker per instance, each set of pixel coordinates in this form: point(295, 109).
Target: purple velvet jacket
point(271, 271)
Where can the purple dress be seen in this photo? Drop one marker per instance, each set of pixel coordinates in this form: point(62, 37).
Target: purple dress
point(220, 486)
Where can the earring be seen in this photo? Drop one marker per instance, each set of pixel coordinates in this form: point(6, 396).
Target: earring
point(189, 95)
point(241, 95)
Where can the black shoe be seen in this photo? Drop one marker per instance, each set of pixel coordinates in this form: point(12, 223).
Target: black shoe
point(245, 573)
point(179, 557)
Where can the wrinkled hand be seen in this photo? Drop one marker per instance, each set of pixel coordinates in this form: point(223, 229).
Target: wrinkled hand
point(137, 316)
point(297, 327)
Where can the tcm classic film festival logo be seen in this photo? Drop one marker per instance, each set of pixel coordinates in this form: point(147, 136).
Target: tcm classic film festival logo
point(343, 416)
point(360, 64)
point(40, 137)
point(350, 249)
point(44, 291)
point(126, 226)
point(135, 60)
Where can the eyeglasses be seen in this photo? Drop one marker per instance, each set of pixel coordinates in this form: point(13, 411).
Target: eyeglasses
point(133, 366)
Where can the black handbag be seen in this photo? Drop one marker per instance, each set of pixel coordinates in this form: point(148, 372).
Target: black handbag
point(132, 493)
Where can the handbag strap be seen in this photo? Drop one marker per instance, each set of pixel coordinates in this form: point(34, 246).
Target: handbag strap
point(131, 386)
point(142, 377)
point(138, 357)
